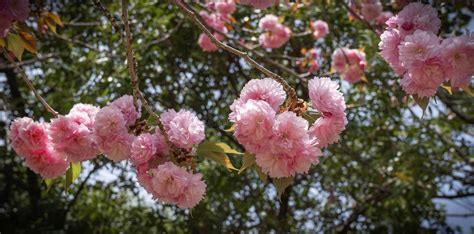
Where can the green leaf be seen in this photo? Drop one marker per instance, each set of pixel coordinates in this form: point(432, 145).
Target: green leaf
point(220, 158)
point(281, 184)
point(247, 161)
point(72, 174)
point(49, 183)
point(218, 147)
point(311, 116)
point(261, 175)
point(15, 45)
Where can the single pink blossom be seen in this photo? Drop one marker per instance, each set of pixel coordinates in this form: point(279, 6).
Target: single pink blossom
point(18, 126)
point(183, 128)
point(143, 148)
point(458, 54)
point(225, 7)
point(206, 44)
point(109, 121)
point(415, 16)
point(116, 147)
point(73, 140)
point(276, 38)
point(266, 89)
point(389, 42)
point(126, 106)
point(339, 60)
point(268, 22)
point(424, 77)
point(326, 129)
point(320, 29)
point(371, 9)
point(48, 163)
point(254, 122)
point(84, 114)
point(419, 46)
point(259, 3)
point(173, 184)
point(325, 96)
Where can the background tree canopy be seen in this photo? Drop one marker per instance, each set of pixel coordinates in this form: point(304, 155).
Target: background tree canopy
point(382, 176)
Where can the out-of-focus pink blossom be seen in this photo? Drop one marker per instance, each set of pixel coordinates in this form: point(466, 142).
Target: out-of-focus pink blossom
point(268, 22)
point(225, 7)
point(424, 77)
point(390, 40)
point(275, 34)
point(320, 29)
point(350, 63)
point(183, 128)
point(259, 3)
point(419, 46)
point(173, 184)
point(371, 9)
point(206, 44)
point(383, 17)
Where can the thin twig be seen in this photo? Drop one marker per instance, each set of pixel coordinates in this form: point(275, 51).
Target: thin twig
point(369, 26)
point(29, 84)
point(127, 41)
point(193, 16)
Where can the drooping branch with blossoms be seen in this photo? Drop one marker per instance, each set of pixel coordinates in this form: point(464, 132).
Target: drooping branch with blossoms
point(278, 137)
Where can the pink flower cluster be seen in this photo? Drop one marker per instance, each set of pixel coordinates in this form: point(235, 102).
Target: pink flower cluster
point(11, 10)
point(49, 147)
point(222, 10)
point(281, 140)
point(87, 130)
point(274, 33)
point(350, 63)
point(111, 128)
point(320, 29)
point(259, 3)
point(412, 48)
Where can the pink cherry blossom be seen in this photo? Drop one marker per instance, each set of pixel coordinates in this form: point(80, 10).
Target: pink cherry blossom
point(320, 28)
point(383, 17)
point(18, 126)
point(173, 184)
point(126, 106)
point(183, 128)
point(109, 121)
point(371, 9)
point(84, 114)
point(350, 63)
point(47, 162)
point(143, 148)
point(73, 140)
point(458, 54)
point(415, 16)
point(34, 135)
point(326, 129)
point(390, 40)
point(259, 3)
point(424, 77)
point(339, 60)
point(325, 96)
point(254, 122)
point(115, 147)
point(276, 38)
point(268, 22)
point(266, 89)
point(419, 46)
point(206, 44)
point(225, 7)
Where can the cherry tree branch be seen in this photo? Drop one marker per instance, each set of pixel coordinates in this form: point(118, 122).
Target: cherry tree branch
point(196, 20)
point(29, 84)
point(369, 26)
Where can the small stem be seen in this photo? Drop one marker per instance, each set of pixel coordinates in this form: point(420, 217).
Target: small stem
point(29, 84)
point(190, 13)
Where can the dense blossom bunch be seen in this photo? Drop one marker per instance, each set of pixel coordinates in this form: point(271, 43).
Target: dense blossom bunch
point(11, 10)
point(221, 13)
point(86, 131)
point(259, 3)
point(412, 48)
point(281, 140)
point(350, 63)
point(274, 33)
point(320, 29)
